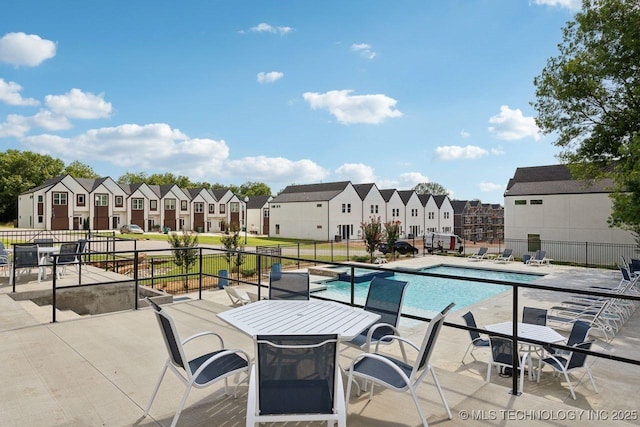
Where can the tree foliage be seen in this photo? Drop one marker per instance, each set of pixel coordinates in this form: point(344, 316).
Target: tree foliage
point(185, 252)
point(232, 243)
point(77, 169)
point(589, 96)
point(251, 188)
point(431, 188)
point(392, 234)
point(22, 171)
point(372, 233)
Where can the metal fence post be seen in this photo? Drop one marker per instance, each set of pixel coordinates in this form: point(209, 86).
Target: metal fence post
point(135, 279)
point(53, 297)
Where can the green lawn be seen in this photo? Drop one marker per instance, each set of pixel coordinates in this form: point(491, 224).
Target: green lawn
point(215, 240)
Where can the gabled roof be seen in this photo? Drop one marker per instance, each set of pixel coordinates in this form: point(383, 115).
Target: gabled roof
point(48, 183)
point(555, 179)
point(405, 195)
point(439, 199)
point(363, 189)
point(387, 194)
point(257, 202)
point(459, 206)
point(424, 198)
point(311, 192)
point(219, 194)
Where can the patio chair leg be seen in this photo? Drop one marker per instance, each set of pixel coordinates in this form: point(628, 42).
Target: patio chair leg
point(566, 376)
point(466, 351)
point(591, 378)
point(155, 389)
point(444, 401)
point(417, 403)
point(182, 403)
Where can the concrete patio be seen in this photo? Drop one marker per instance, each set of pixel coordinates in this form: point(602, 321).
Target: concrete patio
point(100, 370)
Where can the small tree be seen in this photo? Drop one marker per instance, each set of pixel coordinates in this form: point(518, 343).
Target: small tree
point(185, 251)
point(231, 242)
point(392, 234)
point(372, 232)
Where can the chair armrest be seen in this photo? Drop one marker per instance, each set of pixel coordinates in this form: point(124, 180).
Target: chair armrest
point(202, 334)
point(395, 338)
point(221, 355)
point(381, 359)
point(379, 325)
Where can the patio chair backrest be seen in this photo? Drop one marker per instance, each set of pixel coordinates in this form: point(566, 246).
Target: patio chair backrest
point(43, 242)
point(430, 338)
point(25, 256)
point(170, 337)
point(534, 316)
point(502, 351)
point(385, 298)
point(68, 252)
point(82, 246)
point(539, 255)
point(482, 250)
point(3, 253)
point(289, 286)
point(579, 332)
point(577, 359)
point(296, 374)
point(470, 321)
point(507, 253)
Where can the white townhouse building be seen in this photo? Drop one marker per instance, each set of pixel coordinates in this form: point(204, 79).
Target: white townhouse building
point(142, 206)
point(223, 214)
point(316, 212)
point(202, 209)
point(547, 203)
point(445, 213)
point(430, 209)
point(394, 208)
point(373, 204)
point(413, 213)
point(258, 214)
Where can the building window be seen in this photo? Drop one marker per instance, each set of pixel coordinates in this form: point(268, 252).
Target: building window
point(395, 212)
point(40, 198)
point(212, 208)
point(184, 205)
point(169, 204)
point(102, 200)
point(265, 213)
point(40, 219)
point(319, 227)
point(153, 205)
point(59, 198)
point(277, 228)
point(198, 207)
point(119, 201)
point(432, 215)
point(80, 199)
point(137, 204)
point(319, 205)
point(374, 209)
point(414, 212)
point(536, 202)
point(446, 215)
point(223, 208)
point(234, 207)
point(520, 202)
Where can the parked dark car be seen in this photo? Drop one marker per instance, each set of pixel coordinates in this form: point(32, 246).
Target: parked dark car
point(403, 248)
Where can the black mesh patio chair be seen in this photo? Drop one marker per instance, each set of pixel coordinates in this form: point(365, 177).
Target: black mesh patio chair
point(476, 340)
point(502, 357)
point(82, 249)
point(397, 375)
point(43, 242)
point(571, 362)
point(25, 258)
point(534, 316)
point(289, 286)
point(385, 298)
point(5, 261)
point(200, 372)
point(296, 378)
point(67, 256)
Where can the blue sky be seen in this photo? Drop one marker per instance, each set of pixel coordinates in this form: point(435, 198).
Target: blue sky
point(392, 92)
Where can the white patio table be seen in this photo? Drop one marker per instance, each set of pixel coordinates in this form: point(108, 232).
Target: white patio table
point(44, 252)
point(280, 317)
point(528, 331)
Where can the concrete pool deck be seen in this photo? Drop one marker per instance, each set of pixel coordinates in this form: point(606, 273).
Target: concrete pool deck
point(100, 370)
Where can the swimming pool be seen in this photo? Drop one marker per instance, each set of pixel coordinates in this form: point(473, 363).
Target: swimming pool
point(426, 296)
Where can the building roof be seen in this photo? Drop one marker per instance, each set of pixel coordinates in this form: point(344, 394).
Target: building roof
point(405, 195)
point(387, 194)
point(311, 192)
point(363, 189)
point(555, 179)
point(257, 202)
point(439, 199)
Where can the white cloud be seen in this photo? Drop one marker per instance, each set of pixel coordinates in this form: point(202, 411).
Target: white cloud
point(511, 124)
point(266, 28)
point(10, 94)
point(486, 187)
point(568, 4)
point(16, 126)
point(79, 105)
point(151, 146)
point(409, 180)
point(464, 134)
point(25, 49)
point(497, 151)
point(47, 120)
point(455, 152)
point(276, 169)
point(270, 77)
point(364, 50)
point(357, 173)
point(350, 109)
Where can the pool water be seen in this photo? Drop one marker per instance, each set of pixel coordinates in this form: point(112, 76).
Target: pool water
point(426, 296)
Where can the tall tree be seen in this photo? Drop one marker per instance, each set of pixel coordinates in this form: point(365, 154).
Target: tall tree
point(22, 171)
point(589, 96)
point(431, 188)
point(77, 169)
point(250, 188)
point(392, 234)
